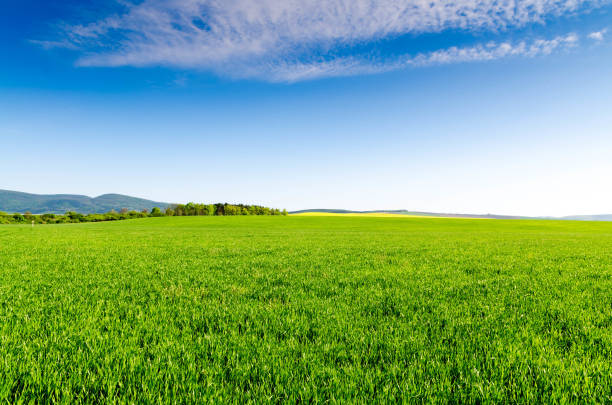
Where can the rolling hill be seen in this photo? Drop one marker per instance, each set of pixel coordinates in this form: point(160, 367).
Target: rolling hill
point(604, 217)
point(406, 212)
point(589, 217)
point(14, 201)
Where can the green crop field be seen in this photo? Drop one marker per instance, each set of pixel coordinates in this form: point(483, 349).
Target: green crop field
point(308, 309)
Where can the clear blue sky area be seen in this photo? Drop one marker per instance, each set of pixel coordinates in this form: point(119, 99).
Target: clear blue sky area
point(445, 106)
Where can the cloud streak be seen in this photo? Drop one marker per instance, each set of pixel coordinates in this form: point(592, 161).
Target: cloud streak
point(352, 66)
point(281, 40)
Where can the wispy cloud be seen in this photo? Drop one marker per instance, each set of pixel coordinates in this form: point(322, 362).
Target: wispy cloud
point(292, 72)
point(65, 44)
point(276, 40)
point(598, 35)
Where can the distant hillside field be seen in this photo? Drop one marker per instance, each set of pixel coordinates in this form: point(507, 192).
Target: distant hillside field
point(14, 201)
point(403, 213)
point(307, 309)
point(354, 214)
point(590, 217)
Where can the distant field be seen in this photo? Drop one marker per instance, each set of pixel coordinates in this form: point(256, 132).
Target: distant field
point(354, 214)
point(306, 308)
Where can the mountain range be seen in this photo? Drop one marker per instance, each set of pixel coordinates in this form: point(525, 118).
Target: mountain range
point(15, 201)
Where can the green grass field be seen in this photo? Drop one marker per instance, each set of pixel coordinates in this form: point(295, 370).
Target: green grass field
point(323, 309)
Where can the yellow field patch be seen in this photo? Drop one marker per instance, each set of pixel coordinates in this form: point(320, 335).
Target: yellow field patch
point(373, 214)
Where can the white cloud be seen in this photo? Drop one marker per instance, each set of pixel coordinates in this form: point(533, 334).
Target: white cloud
point(598, 35)
point(297, 71)
point(54, 44)
point(249, 38)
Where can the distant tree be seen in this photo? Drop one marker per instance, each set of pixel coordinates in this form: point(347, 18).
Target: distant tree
point(230, 209)
point(179, 210)
point(156, 212)
point(190, 209)
point(169, 212)
point(48, 218)
point(113, 216)
point(75, 216)
point(200, 209)
point(123, 211)
point(95, 218)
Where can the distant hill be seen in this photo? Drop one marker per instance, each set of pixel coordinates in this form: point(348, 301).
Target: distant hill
point(607, 217)
point(436, 214)
point(406, 212)
point(14, 201)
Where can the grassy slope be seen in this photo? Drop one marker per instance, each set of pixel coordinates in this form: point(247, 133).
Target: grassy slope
point(288, 308)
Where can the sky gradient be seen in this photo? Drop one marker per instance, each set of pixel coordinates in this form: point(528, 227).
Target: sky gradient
point(444, 106)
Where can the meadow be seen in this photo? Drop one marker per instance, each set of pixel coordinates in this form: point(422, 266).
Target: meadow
point(306, 309)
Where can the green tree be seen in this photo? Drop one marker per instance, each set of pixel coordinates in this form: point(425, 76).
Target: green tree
point(75, 216)
point(179, 210)
point(190, 209)
point(48, 218)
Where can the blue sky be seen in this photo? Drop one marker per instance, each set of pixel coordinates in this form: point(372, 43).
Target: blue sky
point(479, 107)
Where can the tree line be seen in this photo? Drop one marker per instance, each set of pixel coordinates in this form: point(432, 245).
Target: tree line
point(192, 209)
point(175, 210)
